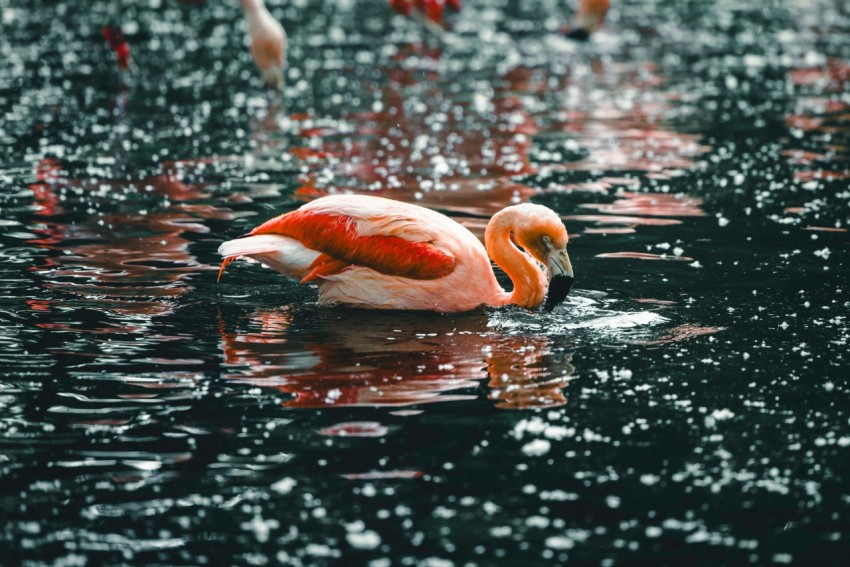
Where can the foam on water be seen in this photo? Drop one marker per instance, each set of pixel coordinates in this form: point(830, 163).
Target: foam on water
point(591, 314)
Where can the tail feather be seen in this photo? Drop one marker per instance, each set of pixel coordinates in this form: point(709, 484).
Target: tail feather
point(224, 263)
point(248, 245)
point(285, 255)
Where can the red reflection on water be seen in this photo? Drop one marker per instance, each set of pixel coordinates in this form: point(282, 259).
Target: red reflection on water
point(373, 359)
point(652, 204)
point(826, 175)
point(654, 301)
point(383, 475)
point(520, 380)
point(626, 131)
point(121, 245)
point(103, 422)
point(432, 10)
point(825, 229)
point(427, 149)
point(611, 230)
point(830, 77)
point(355, 429)
point(465, 154)
point(644, 256)
point(683, 332)
point(819, 116)
point(619, 219)
point(128, 260)
point(802, 157)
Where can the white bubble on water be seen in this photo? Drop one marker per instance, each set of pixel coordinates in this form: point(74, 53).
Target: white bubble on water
point(363, 540)
point(559, 542)
point(284, 486)
point(823, 253)
point(537, 448)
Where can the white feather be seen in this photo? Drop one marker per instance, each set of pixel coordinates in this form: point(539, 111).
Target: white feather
point(282, 254)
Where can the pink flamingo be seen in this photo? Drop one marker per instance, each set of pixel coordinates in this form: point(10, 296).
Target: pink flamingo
point(377, 253)
point(268, 41)
point(588, 18)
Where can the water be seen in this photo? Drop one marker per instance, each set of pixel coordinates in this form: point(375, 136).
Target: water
point(686, 403)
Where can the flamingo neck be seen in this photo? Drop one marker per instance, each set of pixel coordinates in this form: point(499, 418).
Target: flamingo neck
point(528, 279)
point(252, 6)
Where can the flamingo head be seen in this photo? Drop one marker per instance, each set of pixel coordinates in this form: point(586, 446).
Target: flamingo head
point(542, 234)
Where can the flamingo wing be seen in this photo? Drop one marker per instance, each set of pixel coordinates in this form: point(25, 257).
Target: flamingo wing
point(386, 236)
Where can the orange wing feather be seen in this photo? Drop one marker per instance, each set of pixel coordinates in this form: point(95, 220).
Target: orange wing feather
point(323, 266)
point(336, 237)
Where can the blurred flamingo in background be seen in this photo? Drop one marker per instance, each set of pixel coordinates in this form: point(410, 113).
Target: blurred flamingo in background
point(588, 18)
point(268, 41)
point(377, 253)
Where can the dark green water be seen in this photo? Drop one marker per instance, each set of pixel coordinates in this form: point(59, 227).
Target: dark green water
point(687, 404)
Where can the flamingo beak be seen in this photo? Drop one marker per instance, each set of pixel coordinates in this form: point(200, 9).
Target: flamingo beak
point(560, 278)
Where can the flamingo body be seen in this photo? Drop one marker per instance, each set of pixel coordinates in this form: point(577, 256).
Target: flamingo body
point(373, 252)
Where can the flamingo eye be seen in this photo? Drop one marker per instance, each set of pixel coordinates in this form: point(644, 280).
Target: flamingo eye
point(547, 241)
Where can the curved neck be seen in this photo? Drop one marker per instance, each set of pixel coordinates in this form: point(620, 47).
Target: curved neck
point(252, 6)
point(528, 279)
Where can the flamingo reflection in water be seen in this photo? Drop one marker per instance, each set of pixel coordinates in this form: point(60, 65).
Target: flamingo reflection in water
point(341, 358)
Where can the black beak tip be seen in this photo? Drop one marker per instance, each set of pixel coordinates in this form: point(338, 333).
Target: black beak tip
point(578, 34)
point(559, 288)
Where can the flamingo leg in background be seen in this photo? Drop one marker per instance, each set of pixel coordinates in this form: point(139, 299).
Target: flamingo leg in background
point(115, 39)
point(432, 10)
